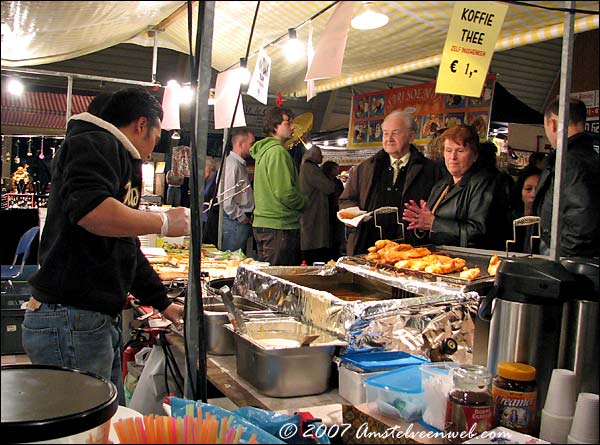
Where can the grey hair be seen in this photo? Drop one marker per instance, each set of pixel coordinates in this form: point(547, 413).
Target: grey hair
point(409, 120)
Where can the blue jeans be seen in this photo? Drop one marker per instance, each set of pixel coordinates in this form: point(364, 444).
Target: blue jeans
point(75, 338)
point(235, 234)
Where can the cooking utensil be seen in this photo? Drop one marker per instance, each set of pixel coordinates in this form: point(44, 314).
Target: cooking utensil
point(308, 339)
point(235, 314)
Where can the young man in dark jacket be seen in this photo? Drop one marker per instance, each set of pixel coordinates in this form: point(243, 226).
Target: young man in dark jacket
point(377, 182)
point(580, 213)
point(90, 256)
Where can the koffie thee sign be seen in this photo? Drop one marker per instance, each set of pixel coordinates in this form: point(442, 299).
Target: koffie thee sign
point(474, 30)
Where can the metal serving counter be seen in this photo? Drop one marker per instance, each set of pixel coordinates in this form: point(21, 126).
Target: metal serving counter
point(368, 307)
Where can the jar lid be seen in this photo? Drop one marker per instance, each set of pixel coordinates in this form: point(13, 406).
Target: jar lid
point(43, 402)
point(516, 371)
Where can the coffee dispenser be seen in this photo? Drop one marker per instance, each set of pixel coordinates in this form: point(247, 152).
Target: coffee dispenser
point(526, 311)
point(580, 336)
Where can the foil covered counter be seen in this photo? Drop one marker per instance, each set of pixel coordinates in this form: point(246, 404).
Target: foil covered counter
point(397, 314)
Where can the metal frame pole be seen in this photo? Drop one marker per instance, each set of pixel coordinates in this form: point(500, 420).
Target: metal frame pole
point(79, 76)
point(563, 128)
point(194, 323)
point(69, 98)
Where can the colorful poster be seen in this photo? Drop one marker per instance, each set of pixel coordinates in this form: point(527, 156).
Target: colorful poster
point(431, 111)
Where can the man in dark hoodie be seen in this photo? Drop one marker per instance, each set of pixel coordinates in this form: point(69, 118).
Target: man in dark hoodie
point(90, 256)
point(278, 201)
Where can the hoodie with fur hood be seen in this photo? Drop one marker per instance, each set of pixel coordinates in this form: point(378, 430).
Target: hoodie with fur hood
point(278, 201)
point(77, 268)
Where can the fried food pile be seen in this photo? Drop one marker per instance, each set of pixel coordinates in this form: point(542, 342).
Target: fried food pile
point(405, 256)
point(494, 264)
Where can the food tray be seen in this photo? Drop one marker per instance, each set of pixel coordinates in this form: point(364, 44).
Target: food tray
point(473, 260)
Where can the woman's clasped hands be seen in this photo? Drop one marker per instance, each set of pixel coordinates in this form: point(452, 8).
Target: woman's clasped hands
point(418, 215)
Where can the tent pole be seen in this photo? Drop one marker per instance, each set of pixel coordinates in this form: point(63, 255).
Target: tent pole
point(69, 97)
point(563, 128)
point(154, 56)
point(195, 335)
point(79, 76)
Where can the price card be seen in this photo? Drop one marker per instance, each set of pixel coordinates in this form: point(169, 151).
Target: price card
point(470, 44)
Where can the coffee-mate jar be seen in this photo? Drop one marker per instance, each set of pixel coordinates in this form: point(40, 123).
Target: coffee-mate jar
point(470, 408)
point(515, 396)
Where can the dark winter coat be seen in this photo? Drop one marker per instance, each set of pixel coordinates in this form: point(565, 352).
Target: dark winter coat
point(371, 179)
point(580, 216)
point(472, 214)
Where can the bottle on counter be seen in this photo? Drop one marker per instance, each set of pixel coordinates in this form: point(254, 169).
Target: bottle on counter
point(470, 407)
point(515, 397)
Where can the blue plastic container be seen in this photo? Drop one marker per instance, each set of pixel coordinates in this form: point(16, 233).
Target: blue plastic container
point(397, 393)
point(374, 361)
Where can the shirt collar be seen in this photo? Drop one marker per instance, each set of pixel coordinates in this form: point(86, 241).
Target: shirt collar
point(403, 160)
point(238, 157)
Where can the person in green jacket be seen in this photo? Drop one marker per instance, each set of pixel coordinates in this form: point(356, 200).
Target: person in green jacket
point(278, 201)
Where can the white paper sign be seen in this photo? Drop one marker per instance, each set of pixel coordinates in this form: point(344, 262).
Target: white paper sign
point(259, 83)
point(226, 93)
point(329, 54)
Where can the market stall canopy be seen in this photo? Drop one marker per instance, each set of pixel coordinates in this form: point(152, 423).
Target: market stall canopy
point(40, 110)
point(35, 33)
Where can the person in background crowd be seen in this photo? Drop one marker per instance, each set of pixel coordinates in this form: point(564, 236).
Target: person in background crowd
point(537, 160)
point(210, 217)
point(435, 151)
point(506, 193)
point(278, 201)
point(337, 229)
point(174, 183)
point(238, 200)
point(527, 183)
point(580, 206)
point(90, 256)
point(393, 176)
point(315, 236)
point(461, 209)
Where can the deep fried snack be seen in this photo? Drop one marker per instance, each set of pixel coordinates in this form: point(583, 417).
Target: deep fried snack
point(470, 274)
point(495, 262)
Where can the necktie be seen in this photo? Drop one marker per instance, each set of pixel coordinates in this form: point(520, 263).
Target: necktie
point(396, 169)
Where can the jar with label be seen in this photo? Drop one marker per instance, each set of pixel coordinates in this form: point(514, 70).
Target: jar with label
point(515, 397)
point(470, 409)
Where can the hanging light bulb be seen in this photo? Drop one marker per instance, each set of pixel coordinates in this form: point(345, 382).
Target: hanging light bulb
point(15, 87)
point(186, 94)
point(368, 18)
point(244, 71)
point(294, 49)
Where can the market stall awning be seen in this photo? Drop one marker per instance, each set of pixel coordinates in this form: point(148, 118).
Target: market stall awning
point(40, 109)
point(44, 32)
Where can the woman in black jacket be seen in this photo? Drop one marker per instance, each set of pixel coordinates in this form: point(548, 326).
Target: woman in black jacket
point(463, 209)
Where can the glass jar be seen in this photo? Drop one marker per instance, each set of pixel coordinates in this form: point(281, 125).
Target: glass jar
point(470, 409)
point(515, 397)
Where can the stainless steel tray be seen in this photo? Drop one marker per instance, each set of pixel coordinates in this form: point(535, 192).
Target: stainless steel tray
point(219, 340)
point(284, 371)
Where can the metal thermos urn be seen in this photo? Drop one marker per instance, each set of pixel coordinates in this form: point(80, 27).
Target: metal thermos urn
point(526, 305)
point(580, 336)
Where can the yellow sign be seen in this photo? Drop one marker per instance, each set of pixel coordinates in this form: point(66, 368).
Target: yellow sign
point(470, 44)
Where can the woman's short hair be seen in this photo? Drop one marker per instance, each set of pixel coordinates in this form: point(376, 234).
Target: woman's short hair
point(464, 135)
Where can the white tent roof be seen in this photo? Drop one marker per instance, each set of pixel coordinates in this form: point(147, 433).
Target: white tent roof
point(38, 32)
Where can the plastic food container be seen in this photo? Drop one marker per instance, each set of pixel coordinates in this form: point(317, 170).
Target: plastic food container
point(397, 393)
point(356, 366)
point(55, 405)
point(436, 383)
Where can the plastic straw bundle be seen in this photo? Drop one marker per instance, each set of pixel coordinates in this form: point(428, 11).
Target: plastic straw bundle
point(191, 428)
